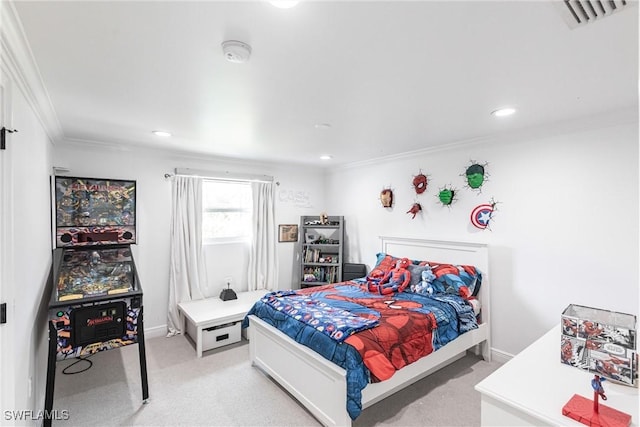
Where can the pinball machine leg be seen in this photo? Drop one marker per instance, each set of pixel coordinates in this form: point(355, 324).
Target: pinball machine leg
point(51, 374)
point(143, 358)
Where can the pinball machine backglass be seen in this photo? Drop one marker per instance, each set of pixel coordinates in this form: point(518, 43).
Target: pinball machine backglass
point(91, 212)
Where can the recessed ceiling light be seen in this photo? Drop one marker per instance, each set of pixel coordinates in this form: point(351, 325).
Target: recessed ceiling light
point(284, 4)
point(322, 126)
point(161, 133)
point(502, 112)
point(326, 157)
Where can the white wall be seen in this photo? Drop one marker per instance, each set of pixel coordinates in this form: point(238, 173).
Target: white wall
point(566, 229)
point(300, 193)
point(30, 246)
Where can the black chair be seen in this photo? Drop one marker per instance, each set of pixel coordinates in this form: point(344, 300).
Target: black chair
point(353, 271)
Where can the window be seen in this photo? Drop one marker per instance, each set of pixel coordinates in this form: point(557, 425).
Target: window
point(226, 215)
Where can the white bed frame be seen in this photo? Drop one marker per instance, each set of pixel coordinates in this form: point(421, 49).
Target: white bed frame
point(320, 385)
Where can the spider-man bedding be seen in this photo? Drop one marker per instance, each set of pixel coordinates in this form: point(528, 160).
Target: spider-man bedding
point(371, 335)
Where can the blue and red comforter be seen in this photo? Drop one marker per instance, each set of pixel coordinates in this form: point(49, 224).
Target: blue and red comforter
point(371, 335)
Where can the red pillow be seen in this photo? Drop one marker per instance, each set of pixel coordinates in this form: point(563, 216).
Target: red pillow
point(385, 264)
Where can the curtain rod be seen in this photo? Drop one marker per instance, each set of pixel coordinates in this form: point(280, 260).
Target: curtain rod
point(222, 176)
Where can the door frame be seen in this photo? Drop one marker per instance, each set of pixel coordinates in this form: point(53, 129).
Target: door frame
point(7, 330)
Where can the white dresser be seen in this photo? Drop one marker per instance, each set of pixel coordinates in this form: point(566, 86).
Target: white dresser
point(532, 388)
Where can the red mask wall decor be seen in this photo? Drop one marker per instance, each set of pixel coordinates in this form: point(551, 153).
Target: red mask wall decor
point(420, 183)
point(415, 208)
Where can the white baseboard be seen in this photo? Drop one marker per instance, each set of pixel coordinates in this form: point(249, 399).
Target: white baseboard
point(156, 331)
point(500, 356)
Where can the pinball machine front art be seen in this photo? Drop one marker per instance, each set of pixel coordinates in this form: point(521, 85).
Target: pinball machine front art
point(96, 298)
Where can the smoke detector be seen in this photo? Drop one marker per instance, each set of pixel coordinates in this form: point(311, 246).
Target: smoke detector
point(236, 51)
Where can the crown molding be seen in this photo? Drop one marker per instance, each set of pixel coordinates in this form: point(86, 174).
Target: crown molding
point(609, 119)
point(18, 62)
point(173, 153)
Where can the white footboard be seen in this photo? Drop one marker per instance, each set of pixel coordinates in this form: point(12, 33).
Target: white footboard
point(317, 383)
point(321, 386)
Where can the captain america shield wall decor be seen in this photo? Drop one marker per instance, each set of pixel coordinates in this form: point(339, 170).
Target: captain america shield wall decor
point(482, 215)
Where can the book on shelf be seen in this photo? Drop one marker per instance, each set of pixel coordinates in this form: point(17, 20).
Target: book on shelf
point(316, 255)
point(320, 274)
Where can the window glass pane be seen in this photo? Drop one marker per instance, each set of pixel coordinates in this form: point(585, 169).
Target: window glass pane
point(226, 210)
point(226, 195)
point(225, 224)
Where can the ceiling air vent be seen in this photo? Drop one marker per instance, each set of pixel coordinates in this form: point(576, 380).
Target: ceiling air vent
point(577, 13)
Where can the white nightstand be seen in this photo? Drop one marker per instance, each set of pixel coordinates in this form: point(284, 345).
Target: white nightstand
point(532, 388)
point(212, 323)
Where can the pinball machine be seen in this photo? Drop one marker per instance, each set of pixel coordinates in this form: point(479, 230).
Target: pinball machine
point(96, 298)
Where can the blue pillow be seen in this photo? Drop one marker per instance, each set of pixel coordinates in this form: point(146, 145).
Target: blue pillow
point(463, 280)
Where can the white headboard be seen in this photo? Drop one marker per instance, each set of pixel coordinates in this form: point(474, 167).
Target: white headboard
point(457, 253)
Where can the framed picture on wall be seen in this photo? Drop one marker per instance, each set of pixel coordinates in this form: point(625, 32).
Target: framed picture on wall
point(288, 233)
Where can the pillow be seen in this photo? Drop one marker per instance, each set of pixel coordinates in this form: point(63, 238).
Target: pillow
point(463, 280)
point(385, 261)
point(384, 264)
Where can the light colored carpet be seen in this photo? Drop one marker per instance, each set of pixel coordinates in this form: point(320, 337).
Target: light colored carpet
point(223, 389)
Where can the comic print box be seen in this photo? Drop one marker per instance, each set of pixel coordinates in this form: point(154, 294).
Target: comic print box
point(600, 341)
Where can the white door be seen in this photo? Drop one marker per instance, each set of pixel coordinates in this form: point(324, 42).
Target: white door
point(7, 362)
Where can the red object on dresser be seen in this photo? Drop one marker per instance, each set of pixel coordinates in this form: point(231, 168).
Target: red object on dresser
point(591, 413)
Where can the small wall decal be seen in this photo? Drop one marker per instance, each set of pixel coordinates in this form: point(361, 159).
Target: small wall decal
point(476, 175)
point(415, 208)
point(301, 199)
point(447, 195)
point(386, 198)
point(420, 182)
point(482, 215)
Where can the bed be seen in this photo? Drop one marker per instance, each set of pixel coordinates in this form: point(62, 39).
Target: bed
point(324, 387)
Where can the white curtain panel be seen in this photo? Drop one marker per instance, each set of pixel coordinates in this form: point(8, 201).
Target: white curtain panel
point(187, 275)
point(263, 255)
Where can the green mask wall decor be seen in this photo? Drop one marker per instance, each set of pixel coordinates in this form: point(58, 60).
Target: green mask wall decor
point(476, 175)
point(446, 196)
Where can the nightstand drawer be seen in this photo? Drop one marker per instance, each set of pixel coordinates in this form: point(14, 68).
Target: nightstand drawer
point(217, 336)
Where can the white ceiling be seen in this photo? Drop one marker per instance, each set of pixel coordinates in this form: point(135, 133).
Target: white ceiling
point(388, 76)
